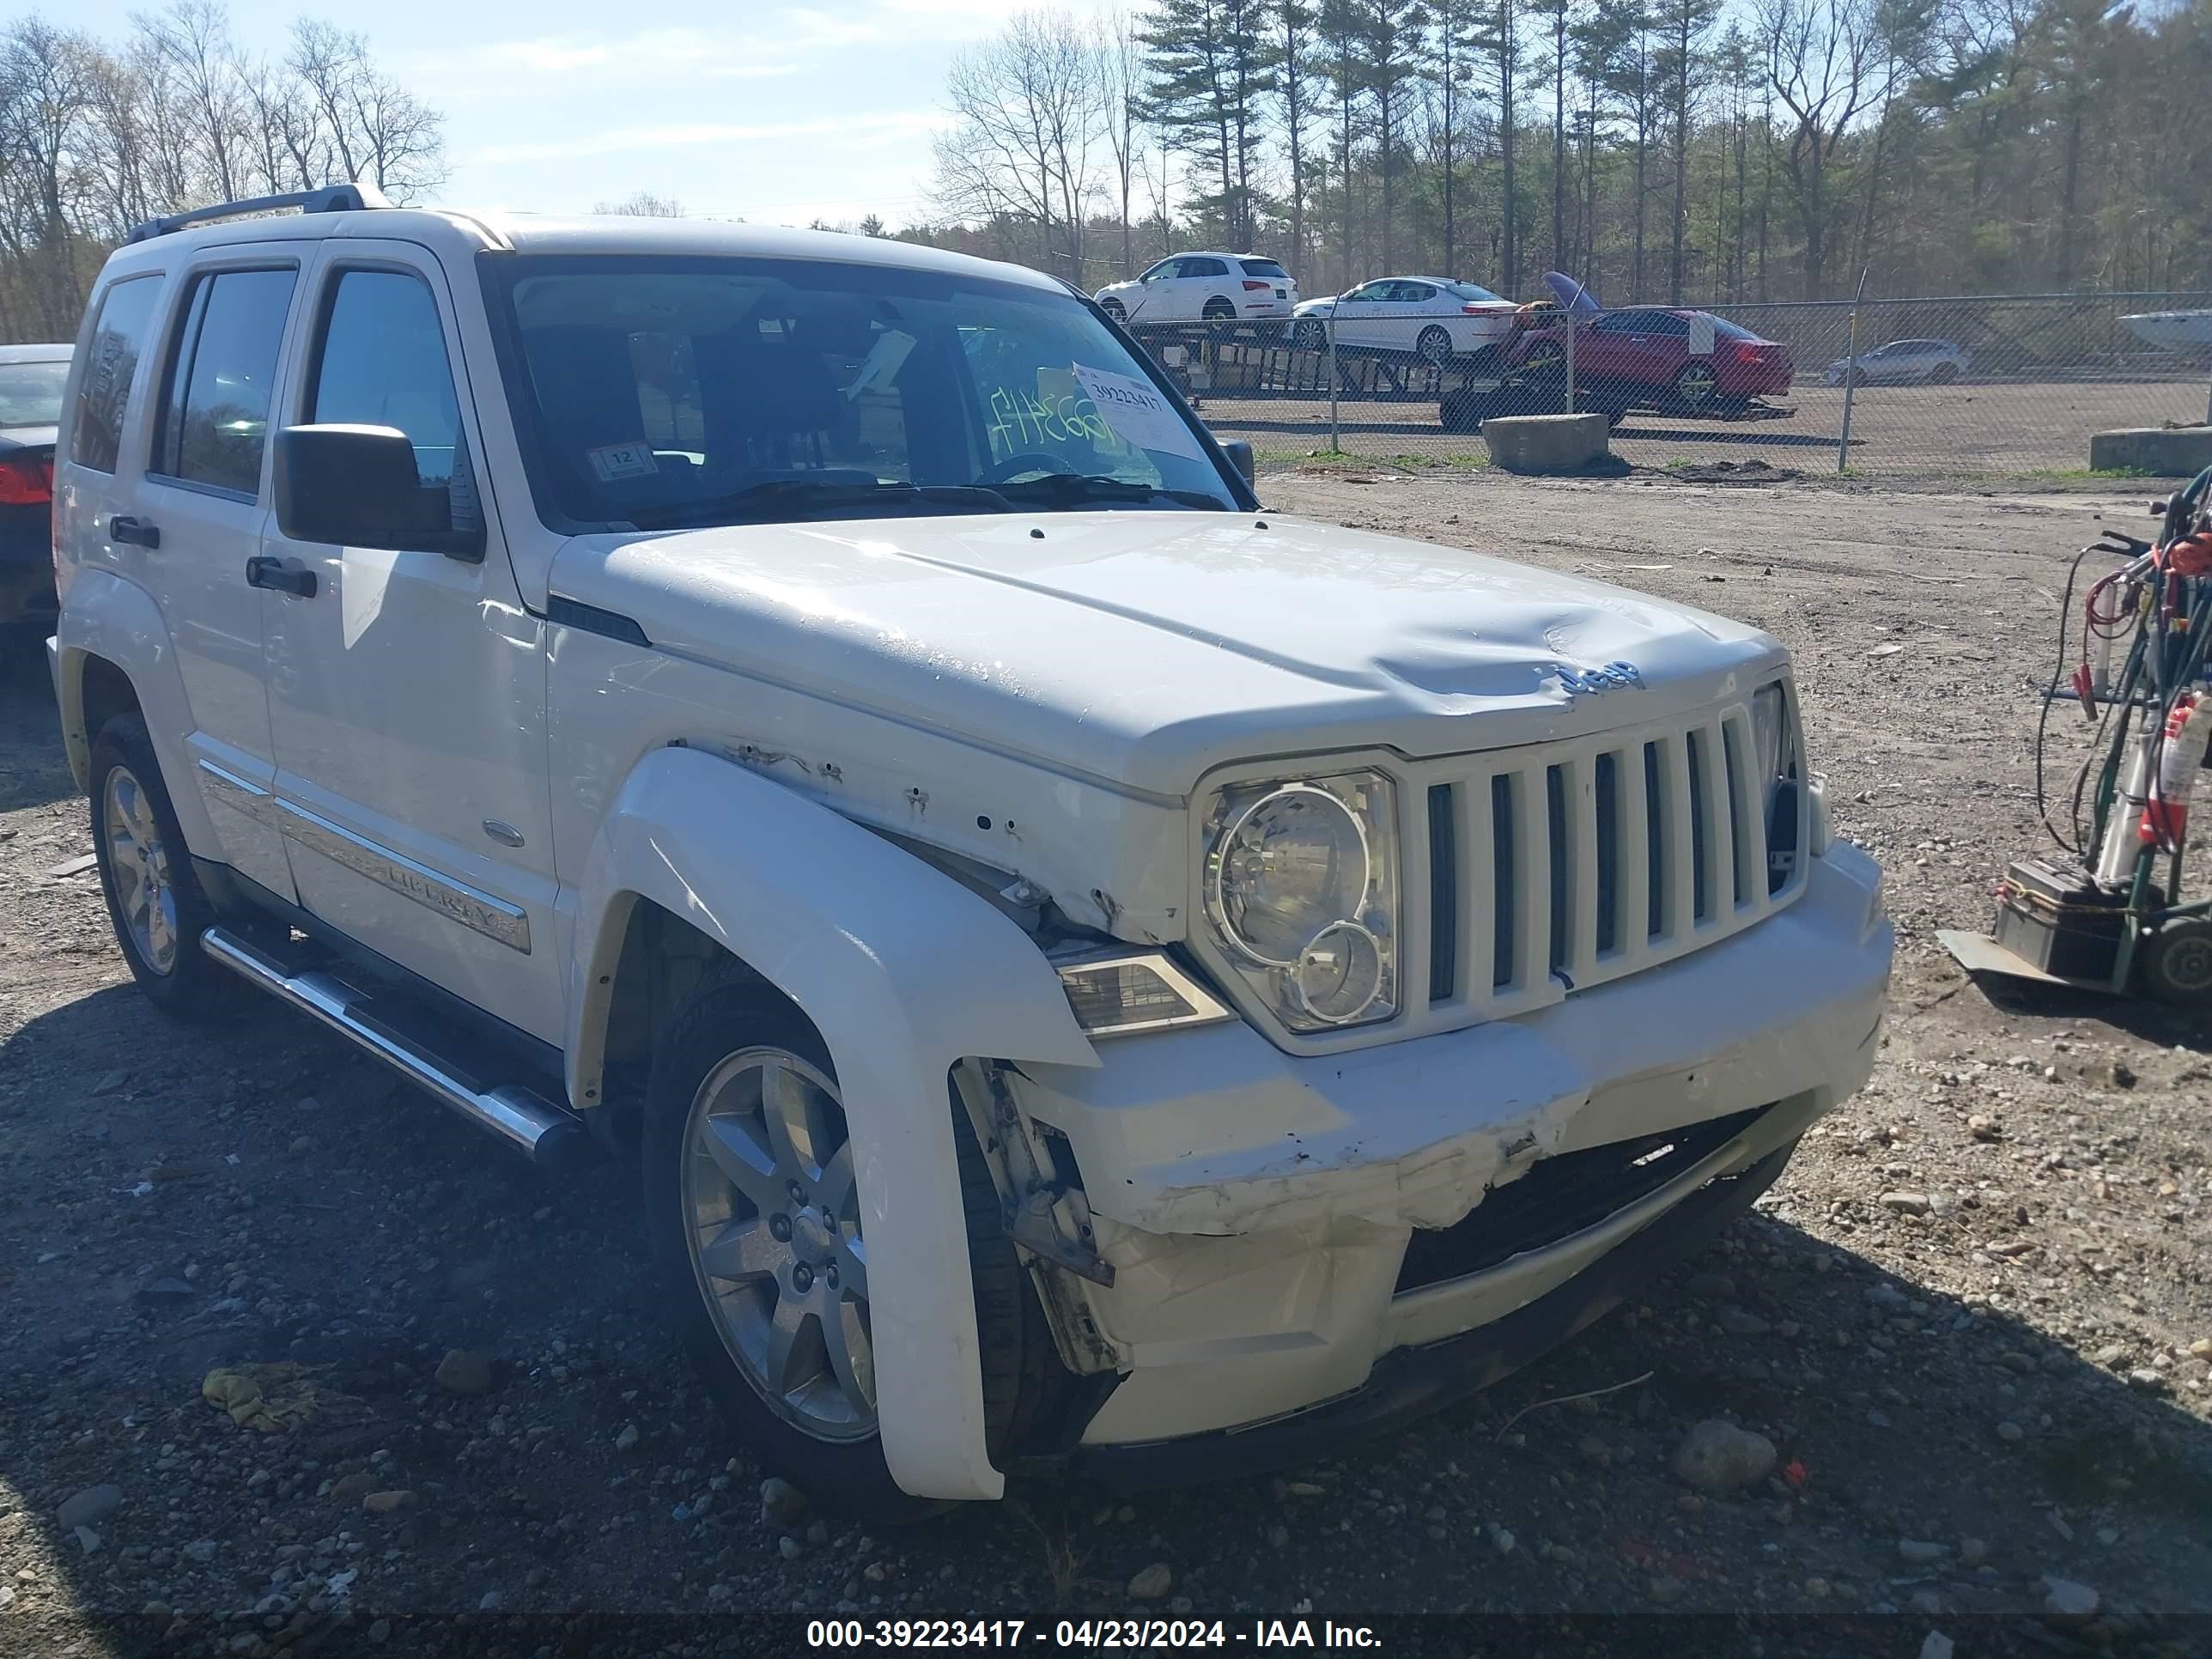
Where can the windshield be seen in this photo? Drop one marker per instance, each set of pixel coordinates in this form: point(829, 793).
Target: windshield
point(658, 391)
point(31, 393)
point(1475, 291)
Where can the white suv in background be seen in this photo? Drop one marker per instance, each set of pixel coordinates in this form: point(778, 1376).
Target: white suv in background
point(1203, 287)
point(1072, 966)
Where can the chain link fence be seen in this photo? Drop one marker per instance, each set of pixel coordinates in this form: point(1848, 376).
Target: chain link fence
point(1988, 386)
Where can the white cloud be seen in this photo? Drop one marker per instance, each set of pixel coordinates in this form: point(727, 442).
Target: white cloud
point(615, 60)
point(838, 132)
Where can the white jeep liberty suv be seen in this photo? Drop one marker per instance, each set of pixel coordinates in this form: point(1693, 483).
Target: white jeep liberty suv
point(1085, 968)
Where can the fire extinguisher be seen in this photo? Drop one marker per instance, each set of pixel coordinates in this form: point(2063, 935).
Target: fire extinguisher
point(2153, 806)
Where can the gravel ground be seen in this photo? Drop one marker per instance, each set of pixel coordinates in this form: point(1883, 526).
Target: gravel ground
point(1974, 1320)
point(1986, 427)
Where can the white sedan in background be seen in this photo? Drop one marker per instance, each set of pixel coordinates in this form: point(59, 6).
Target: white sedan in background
point(1902, 362)
point(1432, 317)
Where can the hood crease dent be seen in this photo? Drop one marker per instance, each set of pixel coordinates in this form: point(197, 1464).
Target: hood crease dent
point(1144, 649)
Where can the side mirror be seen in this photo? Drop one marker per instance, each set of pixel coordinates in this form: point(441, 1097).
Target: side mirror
point(357, 486)
point(1240, 457)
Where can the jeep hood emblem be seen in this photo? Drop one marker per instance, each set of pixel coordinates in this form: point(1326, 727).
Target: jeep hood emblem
point(1596, 681)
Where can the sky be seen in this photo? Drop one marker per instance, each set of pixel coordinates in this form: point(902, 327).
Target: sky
point(773, 112)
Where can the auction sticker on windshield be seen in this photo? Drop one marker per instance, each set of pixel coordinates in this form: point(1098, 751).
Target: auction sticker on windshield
point(1137, 412)
point(613, 462)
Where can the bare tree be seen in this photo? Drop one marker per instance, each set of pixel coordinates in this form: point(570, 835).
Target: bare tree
point(193, 38)
point(1818, 54)
point(1120, 80)
point(1030, 111)
point(46, 96)
point(644, 205)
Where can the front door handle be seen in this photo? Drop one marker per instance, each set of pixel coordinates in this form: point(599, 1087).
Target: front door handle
point(284, 575)
point(137, 531)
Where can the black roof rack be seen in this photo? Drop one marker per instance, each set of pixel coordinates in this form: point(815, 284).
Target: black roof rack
point(330, 199)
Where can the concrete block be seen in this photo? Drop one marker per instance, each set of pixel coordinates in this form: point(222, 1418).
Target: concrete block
point(2170, 452)
point(1545, 443)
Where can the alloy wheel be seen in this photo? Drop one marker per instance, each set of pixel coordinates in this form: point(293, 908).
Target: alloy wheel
point(1695, 385)
point(138, 861)
point(772, 1220)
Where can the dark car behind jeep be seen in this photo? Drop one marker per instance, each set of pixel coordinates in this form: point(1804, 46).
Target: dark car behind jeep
point(31, 378)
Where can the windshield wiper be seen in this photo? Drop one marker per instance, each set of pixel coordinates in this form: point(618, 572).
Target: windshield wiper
point(1066, 488)
point(773, 494)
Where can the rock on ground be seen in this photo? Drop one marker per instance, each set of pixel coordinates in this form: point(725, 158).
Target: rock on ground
point(1718, 1456)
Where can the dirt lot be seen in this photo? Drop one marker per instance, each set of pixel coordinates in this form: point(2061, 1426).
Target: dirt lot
point(1990, 429)
point(1995, 1379)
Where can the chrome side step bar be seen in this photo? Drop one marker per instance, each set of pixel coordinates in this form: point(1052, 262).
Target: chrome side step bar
point(526, 1122)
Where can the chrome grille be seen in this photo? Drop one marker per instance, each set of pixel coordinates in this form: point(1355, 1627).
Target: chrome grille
point(1558, 867)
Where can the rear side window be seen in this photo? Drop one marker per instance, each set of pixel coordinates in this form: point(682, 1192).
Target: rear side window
point(1204, 268)
point(1266, 268)
point(215, 403)
point(113, 349)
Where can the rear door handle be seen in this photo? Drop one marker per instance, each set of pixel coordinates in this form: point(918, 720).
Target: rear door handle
point(137, 531)
point(283, 575)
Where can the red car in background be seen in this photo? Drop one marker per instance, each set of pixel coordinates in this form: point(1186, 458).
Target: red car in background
point(1651, 357)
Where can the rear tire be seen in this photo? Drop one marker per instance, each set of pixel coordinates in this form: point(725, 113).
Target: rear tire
point(1433, 347)
point(1221, 314)
point(1697, 386)
point(1943, 374)
point(155, 902)
point(788, 1258)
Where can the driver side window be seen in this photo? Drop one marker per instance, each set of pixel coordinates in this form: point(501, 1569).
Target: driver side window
point(383, 362)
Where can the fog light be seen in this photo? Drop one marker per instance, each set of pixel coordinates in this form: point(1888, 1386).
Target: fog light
point(1339, 972)
point(1120, 995)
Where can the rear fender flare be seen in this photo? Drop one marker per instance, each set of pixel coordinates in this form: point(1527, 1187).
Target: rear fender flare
point(109, 617)
point(904, 973)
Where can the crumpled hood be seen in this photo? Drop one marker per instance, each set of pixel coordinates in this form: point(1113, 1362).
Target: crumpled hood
point(1144, 649)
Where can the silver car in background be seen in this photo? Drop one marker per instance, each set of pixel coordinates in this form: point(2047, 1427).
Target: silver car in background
point(1903, 363)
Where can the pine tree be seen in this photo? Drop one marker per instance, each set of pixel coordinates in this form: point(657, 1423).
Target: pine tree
point(1683, 25)
point(1296, 78)
point(1209, 64)
point(1390, 43)
point(1499, 37)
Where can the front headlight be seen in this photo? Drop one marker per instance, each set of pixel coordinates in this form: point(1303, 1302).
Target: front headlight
point(1302, 890)
point(1781, 771)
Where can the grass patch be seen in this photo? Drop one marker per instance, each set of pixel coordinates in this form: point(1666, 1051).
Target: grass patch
point(2116, 473)
point(1409, 461)
point(1464, 463)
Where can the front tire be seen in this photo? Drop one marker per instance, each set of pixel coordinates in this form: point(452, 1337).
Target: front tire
point(1309, 336)
point(753, 1213)
point(154, 900)
point(1115, 309)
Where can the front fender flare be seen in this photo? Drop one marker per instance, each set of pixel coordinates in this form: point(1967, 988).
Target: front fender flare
point(904, 973)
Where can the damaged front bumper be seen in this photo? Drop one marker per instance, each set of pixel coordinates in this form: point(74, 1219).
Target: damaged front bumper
point(1384, 1228)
